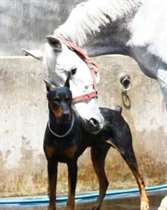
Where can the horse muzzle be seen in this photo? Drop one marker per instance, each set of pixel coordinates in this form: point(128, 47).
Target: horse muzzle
point(92, 126)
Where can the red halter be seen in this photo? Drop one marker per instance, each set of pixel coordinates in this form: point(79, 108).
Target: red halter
point(91, 64)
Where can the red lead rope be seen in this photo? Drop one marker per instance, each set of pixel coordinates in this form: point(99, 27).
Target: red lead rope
point(91, 64)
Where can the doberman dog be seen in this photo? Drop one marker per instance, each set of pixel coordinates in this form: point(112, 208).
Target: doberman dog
point(66, 139)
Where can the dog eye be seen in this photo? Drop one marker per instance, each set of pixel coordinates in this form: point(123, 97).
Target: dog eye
point(67, 98)
point(57, 99)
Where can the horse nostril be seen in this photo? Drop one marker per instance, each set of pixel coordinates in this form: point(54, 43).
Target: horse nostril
point(94, 122)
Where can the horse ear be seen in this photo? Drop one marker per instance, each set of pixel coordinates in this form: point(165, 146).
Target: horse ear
point(37, 54)
point(49, 85)
point(54, 43)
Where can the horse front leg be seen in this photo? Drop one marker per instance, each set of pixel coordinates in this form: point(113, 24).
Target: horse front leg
point(98, 159)
point(52, 182)
point(72, 180)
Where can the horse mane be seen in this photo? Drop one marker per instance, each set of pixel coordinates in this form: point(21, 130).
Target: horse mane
point(87, 18)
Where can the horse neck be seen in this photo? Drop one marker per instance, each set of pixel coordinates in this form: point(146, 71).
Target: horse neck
point(99, 26)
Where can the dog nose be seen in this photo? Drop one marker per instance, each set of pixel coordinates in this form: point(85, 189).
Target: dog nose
point(66, 115)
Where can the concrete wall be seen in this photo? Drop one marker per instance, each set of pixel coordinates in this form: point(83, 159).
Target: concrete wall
point(24, 24)
point(23, 114)
point(23, 108)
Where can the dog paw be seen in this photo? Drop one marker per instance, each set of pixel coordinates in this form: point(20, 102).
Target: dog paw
point(95, 208)
point(51, 208)
point(144, 205)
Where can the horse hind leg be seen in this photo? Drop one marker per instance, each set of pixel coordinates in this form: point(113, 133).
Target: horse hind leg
point(98, 158)
point(131, 161)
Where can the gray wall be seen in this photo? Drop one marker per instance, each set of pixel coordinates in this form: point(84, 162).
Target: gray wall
point(24, 24)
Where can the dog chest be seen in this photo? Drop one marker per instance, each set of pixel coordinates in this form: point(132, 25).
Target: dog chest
point(61, 154)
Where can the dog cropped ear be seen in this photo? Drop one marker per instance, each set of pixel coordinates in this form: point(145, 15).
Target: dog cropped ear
point(49, 85)
point(69, 75)
point(54, 43)
point(67, 82)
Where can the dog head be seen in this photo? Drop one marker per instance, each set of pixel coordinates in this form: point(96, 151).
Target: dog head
point(59, 100)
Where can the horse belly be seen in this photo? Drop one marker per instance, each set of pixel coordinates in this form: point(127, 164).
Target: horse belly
point(148, 31)
point(147, 62)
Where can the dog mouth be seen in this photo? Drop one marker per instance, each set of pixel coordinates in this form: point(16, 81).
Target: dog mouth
point(66, 118)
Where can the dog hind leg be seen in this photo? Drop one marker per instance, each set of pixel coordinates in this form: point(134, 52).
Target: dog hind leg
point(98, 155)
point(122, 141)
point(129, 156)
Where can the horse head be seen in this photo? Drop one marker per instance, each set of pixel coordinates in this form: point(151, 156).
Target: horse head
point(58, 60)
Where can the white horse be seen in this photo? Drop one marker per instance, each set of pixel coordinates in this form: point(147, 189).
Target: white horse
point(137, 28)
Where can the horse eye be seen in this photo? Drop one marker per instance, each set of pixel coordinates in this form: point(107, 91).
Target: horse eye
point(73, 70)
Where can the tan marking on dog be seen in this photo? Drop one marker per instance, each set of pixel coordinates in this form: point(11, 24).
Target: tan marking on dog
point(70, 152)
point(58, 112)
point(50, 151)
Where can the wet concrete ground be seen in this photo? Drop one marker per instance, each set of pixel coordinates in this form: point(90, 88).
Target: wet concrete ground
point(109, 204)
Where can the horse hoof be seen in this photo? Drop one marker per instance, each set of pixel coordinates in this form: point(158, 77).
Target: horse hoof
point(144, 205)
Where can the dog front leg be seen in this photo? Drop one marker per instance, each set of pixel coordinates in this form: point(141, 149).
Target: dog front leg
point(72, 180)
point(52, 182)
